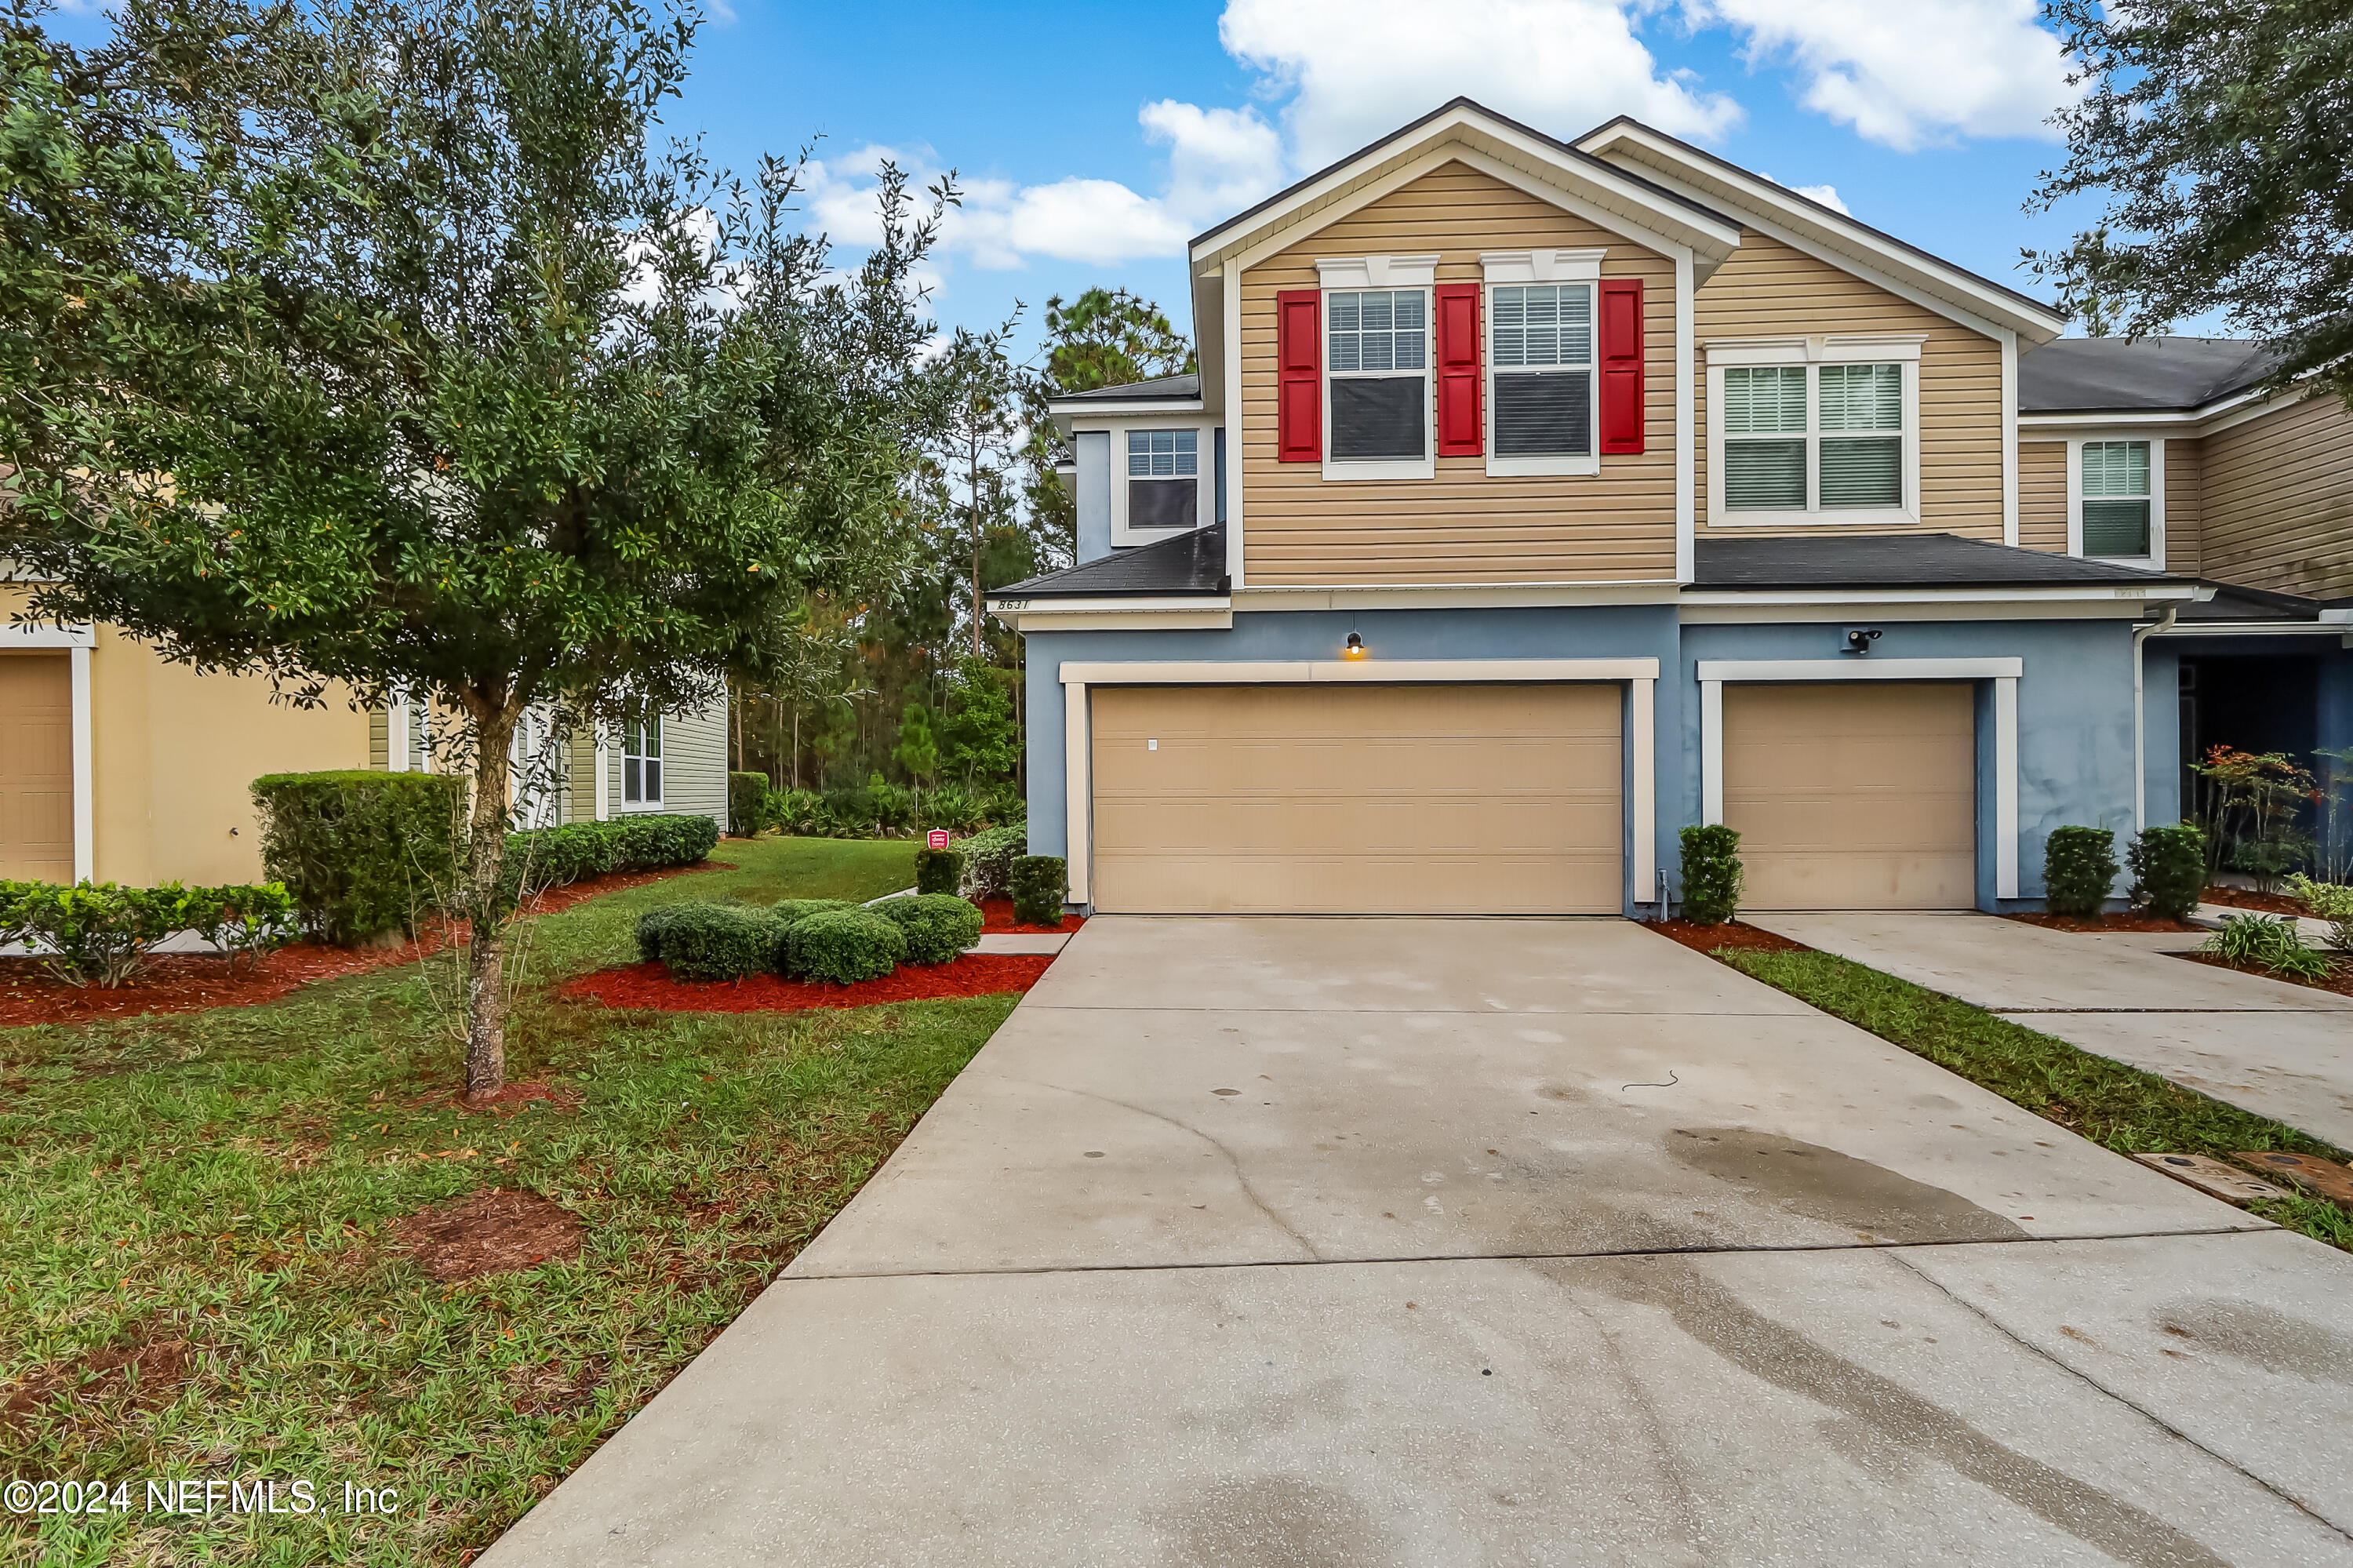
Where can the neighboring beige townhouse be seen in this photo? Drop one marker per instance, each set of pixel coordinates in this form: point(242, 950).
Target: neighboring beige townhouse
point(1537, 498)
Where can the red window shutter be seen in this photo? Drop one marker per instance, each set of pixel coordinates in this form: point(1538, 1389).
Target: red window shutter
point(1621, 364)
point(1298, 373)
point(1461, 429)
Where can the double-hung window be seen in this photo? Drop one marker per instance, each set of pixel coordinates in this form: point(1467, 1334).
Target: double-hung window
point(642, 761)
point(1830, 439)
point(2115, 494)
point(1377, 372)
point(1541, 355)
point(1164, 479)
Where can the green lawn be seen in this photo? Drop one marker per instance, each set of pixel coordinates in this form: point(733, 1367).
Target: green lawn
point(2119, 1107)
point(216, 1190)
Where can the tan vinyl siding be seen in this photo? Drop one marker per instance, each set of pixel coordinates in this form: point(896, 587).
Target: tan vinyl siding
point(1770, 289)
point(2278, 509)
point(2185, 506)
point(2042, 495)
point(1463, 526)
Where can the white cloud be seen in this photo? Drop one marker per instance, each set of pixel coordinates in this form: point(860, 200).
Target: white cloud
point(1220, 160)
point(1914, 74)
point(1356, 70)
point(1826, 194)
point(1097, 221)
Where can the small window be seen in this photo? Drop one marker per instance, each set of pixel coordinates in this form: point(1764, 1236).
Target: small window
point(1379, 364)
point(1164, 479)
point(641, 769)
point(1542, 355)
point(2115, 496)
point(1765, 438)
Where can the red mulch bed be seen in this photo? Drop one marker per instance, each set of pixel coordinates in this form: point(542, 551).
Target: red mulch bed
point(188, 982)
point(2132, 920)
point(650, 985)
point(1732, 934)
point(2248, 899)
point(997, 915)
point(2340, 972)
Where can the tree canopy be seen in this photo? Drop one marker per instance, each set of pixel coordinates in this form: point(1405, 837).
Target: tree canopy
point(2219, 131)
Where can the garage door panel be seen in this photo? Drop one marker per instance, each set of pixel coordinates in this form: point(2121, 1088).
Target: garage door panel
point(1853, 796)
point(36, 767)
point(1357, 799)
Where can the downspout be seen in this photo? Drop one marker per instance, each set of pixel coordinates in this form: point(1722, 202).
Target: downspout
point(2141, 634)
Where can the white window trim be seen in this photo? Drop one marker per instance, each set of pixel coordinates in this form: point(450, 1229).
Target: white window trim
point(1886, 348)
point(1205, 494)
point(1348, 274)
point(1640, 675)
point(2155, 559)
point(1509, 268)
point(2003, 673)
point(644, 800)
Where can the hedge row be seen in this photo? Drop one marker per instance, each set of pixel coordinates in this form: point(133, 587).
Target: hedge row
point(807, 939)
point(552, 857)
point(101, 934)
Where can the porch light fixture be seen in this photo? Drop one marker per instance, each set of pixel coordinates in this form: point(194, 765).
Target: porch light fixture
point(1356, 645)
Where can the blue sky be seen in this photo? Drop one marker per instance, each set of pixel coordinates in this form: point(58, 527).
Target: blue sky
point(1094, 139)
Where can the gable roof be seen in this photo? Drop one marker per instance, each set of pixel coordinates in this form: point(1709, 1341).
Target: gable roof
point(2113, 375)
point(1680, 165)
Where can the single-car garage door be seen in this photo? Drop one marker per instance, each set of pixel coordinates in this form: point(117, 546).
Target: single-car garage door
point(36, 782)
point(1357, 799)
point(1853, 797)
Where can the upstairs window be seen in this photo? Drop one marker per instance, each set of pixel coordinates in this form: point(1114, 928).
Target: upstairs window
point(1377, 366)
point(1164, 479)
point(1861, 435)
point(642, 761)
point(1542, 363)
point(1821, 438)
point(2116, 497)
point(1765, 438)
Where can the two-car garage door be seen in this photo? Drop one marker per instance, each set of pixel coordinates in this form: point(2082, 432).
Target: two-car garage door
point(1344, 799)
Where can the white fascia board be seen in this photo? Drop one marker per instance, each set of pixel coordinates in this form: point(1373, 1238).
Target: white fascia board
point(2251, 629)
point(2073, 593)
point(1082, 414)
point(1013, 604)
point(1027, 621)
point(1793, 220)
point(2222, 414)
point(1951, 610)
point(1334, 193)
point(1199, 671)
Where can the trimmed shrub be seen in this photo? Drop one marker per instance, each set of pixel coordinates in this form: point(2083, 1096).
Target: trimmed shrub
point(1713, 875)
point(555, 857)
point(938, 926)
point(792, 911)
point(747, 803)
point(2329, 901)
point(844, 946)
point(244, 921)
point(362, 853)
point(1040, 882)
point(2169, 868)
point(2268, 942)
point(938, 871)
point(100, 933)
point(714, 941)
point(989, 860)
point(2079, 867)
point(651, 927)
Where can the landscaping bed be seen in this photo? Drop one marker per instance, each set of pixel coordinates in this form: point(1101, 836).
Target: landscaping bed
point(1730, 934)
point(2130, 920)
point(2248, 899)
point(2339, 978)
point(996, 915)
point(651, 985)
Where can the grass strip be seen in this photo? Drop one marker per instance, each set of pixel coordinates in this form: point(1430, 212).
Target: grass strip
point(2115, 1106)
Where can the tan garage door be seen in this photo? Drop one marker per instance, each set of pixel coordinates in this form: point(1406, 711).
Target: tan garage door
point(36, 767)
point(1853, 797)
point(1357, 799)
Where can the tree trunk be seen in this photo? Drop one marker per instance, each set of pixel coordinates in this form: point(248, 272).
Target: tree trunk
point(485, 904)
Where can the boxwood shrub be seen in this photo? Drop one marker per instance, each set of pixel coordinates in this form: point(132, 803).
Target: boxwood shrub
point(1714, 876)
point(2169, 868)
point(362, 853)
point(1040, 882)
point(844, 946)
point(712, 941)
point(793, 911)
point(939, 926)
point(989, 860)
point(938, 871)
point(555, 857)
point(2079, 867)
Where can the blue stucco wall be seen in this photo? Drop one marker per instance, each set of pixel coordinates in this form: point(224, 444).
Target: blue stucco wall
point(1092, 449)
point(2161, 709)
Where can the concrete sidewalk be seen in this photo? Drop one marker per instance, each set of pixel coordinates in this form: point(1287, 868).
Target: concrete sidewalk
point(1302, 1241)
point(2280, 1050)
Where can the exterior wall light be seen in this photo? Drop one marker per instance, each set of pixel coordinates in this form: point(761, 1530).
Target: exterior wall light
point(1356, 645)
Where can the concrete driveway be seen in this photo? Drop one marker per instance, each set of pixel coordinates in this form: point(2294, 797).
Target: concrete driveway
point(1254, 1241)
point(2278, 1049)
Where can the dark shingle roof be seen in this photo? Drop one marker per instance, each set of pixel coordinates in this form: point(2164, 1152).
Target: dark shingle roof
point(2229, 604)
point(2115, 375)
point(1894, 560)
point(1167, 389)
point(1192, 563)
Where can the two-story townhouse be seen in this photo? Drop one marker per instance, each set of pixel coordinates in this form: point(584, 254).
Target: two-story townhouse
point(1535, 500)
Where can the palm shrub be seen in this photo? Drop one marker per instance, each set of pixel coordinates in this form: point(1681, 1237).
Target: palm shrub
point(988, 858)
point(2267, 942)
point(1040, 882)
point(2329, 901)
point(844, 946)
point(1713, 875)
point(938, 871)
point(2169, 868)
point(938, 926)
point(2079, 867)
point(714, 941)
